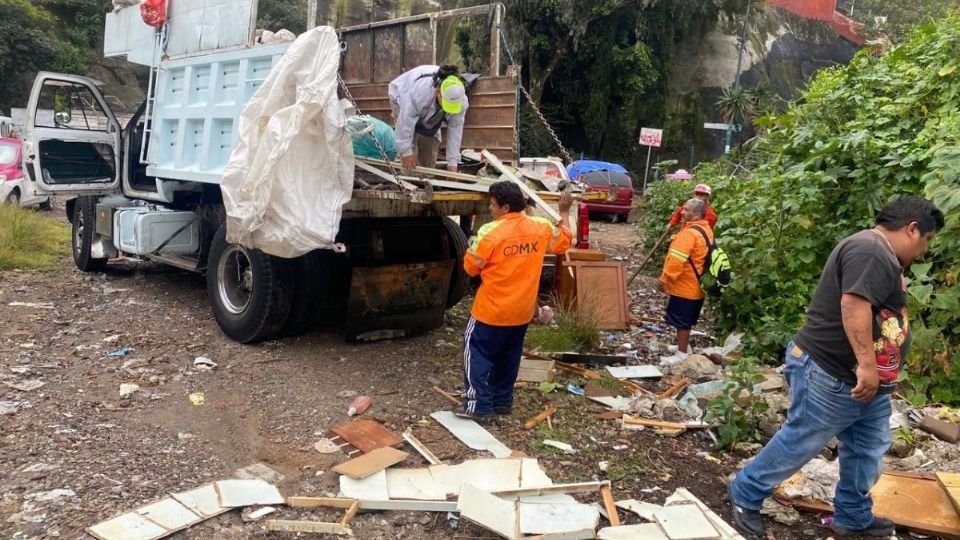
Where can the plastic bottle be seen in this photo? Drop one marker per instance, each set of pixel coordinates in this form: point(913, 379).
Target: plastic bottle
point(358, 405)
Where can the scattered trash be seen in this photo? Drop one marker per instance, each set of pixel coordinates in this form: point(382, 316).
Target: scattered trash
point(255, 514)
point(119, 352)
point(234, 493)
point(203, 363)
point(593, 359)
point(127, 389)
point(536, 420)
point(52, 495)
point(947, 431)
point(11, 407)
point(780, 513)
point(514, 520)
point(643, 509)
point(358, 405)
point(694, 367)
point(731, 346)
point(574, 389)
point(161, 518)
point(365, 435)
point(420, 447)
point(112, 339)
point(450, 397)
point(346, 393)
point(545, 315)
point(258, 471)
point(536, 370)
point(547, 387)
point(326, 446)
point(25, 386)
point(35, 305)
point(603, 465)
point(816, 480)
point(708, 457)
point(320, 527)
point(197, 398)
point(565, 447)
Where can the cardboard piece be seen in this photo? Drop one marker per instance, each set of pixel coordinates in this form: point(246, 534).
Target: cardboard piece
point(374, 461)
point(635, 372)
point(536, 370)
point(366, 434)
point(471, 433)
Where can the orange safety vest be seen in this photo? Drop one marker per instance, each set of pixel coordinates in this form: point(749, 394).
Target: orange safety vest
point(508, 254)
point(677, 277)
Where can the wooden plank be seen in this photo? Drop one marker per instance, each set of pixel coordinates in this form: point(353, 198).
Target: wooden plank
point(366, 434)
point(374, 461)
point(291, 525)
point(450, 397)
point(318, 502)
point(951, 484)
point(536, 370)
point(609, 505)
point(627, 419)
point(538, 419)
point(352, 511)
point(410, 506)
point(420, 447)
point(499, 166)
point(578, 487)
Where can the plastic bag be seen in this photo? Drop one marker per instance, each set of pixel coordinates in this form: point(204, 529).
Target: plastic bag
point(154, 12)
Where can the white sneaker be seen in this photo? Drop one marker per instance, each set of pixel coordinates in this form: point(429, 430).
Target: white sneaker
point(672, 348)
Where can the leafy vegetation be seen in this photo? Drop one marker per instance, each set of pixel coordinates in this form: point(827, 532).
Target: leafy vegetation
point(736, 411)
point(862, 135)
point(29, 240)
point(893, 18)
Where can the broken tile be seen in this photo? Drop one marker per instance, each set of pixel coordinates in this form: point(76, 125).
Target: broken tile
point(489, 511)
point(576, 520)
point(366, 434)
point(683, 496)
point(202, 500)
point(471, 433)
point(258, 470)
point(371, 488)
point(233, 493)
point(129, 526)
point(169, 514)
point(685, 522)
point(419, 484)
point(643, 509)
point(635, 372)
point(645, 531)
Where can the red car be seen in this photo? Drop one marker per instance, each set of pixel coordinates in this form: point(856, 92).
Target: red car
point(619, 189)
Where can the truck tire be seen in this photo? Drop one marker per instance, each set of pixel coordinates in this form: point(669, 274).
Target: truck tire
point(309, 280)
point(248, 290)
point(459, 281)
point(83, 231)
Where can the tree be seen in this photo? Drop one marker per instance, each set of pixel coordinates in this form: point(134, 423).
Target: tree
point(895, 18)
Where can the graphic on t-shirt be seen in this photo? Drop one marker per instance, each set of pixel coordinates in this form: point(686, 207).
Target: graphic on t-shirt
point(894, 330)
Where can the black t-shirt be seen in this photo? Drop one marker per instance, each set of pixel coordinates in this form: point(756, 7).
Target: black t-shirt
point(861, 264)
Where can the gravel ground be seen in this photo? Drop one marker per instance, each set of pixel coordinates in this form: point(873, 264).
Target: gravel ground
point(268, 403)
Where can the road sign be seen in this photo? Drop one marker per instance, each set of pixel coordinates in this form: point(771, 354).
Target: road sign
point(713, 125)
point(651, 137)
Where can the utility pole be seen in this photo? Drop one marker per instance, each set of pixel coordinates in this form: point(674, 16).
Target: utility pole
point(736, 78)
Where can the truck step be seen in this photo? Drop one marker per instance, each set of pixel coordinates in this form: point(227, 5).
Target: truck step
point(180, 261)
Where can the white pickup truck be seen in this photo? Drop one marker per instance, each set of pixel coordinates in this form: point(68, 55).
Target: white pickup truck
point(150, 189)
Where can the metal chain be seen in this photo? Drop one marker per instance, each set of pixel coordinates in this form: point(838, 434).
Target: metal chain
point(383, 153)
point(533, 105)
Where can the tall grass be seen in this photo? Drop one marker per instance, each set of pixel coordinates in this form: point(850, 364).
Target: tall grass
point(30, 240)
point(576, 329)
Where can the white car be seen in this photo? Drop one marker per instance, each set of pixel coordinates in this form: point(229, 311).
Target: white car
point(13, 190)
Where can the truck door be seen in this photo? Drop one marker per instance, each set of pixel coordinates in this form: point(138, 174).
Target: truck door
point(71, 139)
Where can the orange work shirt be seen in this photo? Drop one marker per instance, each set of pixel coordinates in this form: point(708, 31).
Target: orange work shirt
point(711, 217)
point(677, 277)
point(508, 254)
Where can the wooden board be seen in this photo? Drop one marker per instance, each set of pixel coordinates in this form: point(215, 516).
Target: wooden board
point(536, 370)
point(376, 460)
point(950, 482)
point(601, 287)
point(913, 501)
point(366, 434)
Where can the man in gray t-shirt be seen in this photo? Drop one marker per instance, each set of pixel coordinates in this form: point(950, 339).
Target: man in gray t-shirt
point(841, 368)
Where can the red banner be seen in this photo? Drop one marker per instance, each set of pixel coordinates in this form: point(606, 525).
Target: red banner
point(810, 9)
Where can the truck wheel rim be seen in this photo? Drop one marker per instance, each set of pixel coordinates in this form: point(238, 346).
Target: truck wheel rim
point(235, 279)
point(79, 233)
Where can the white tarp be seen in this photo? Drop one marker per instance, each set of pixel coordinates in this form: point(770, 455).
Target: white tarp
point(291, 170)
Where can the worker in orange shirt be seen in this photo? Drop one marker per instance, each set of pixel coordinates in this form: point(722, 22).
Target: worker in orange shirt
point(684, 262)
point(507, 254)
point(702, 192)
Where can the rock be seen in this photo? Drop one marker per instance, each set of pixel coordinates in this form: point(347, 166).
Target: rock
point(780, 513)
point(127, 389)
point(770, 424)
point(900, 448)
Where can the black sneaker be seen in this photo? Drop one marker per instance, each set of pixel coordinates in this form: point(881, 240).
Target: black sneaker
point(750, 522)
point(878, 527)
point(476, 417)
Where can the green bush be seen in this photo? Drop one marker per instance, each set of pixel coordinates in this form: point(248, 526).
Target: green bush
point(862, 135)
point(661, 201)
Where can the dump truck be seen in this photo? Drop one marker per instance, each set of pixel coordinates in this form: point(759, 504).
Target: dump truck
point(148, 186)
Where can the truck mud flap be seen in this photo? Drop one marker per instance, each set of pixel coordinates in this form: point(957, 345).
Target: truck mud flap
point(397, 300)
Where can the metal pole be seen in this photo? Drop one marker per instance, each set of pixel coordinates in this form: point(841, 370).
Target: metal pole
point(311, 14)
point(736, 78)
point(646, 170)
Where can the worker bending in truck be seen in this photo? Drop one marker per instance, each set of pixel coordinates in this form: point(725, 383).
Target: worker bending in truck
point(507, 254)
point(702, 192)
point(686, 260)
point(422, 100)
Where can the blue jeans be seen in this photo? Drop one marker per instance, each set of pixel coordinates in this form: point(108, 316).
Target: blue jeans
point(821, 408)
point(491, 361)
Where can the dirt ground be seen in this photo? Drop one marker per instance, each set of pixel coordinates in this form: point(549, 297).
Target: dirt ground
point(270, 403)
